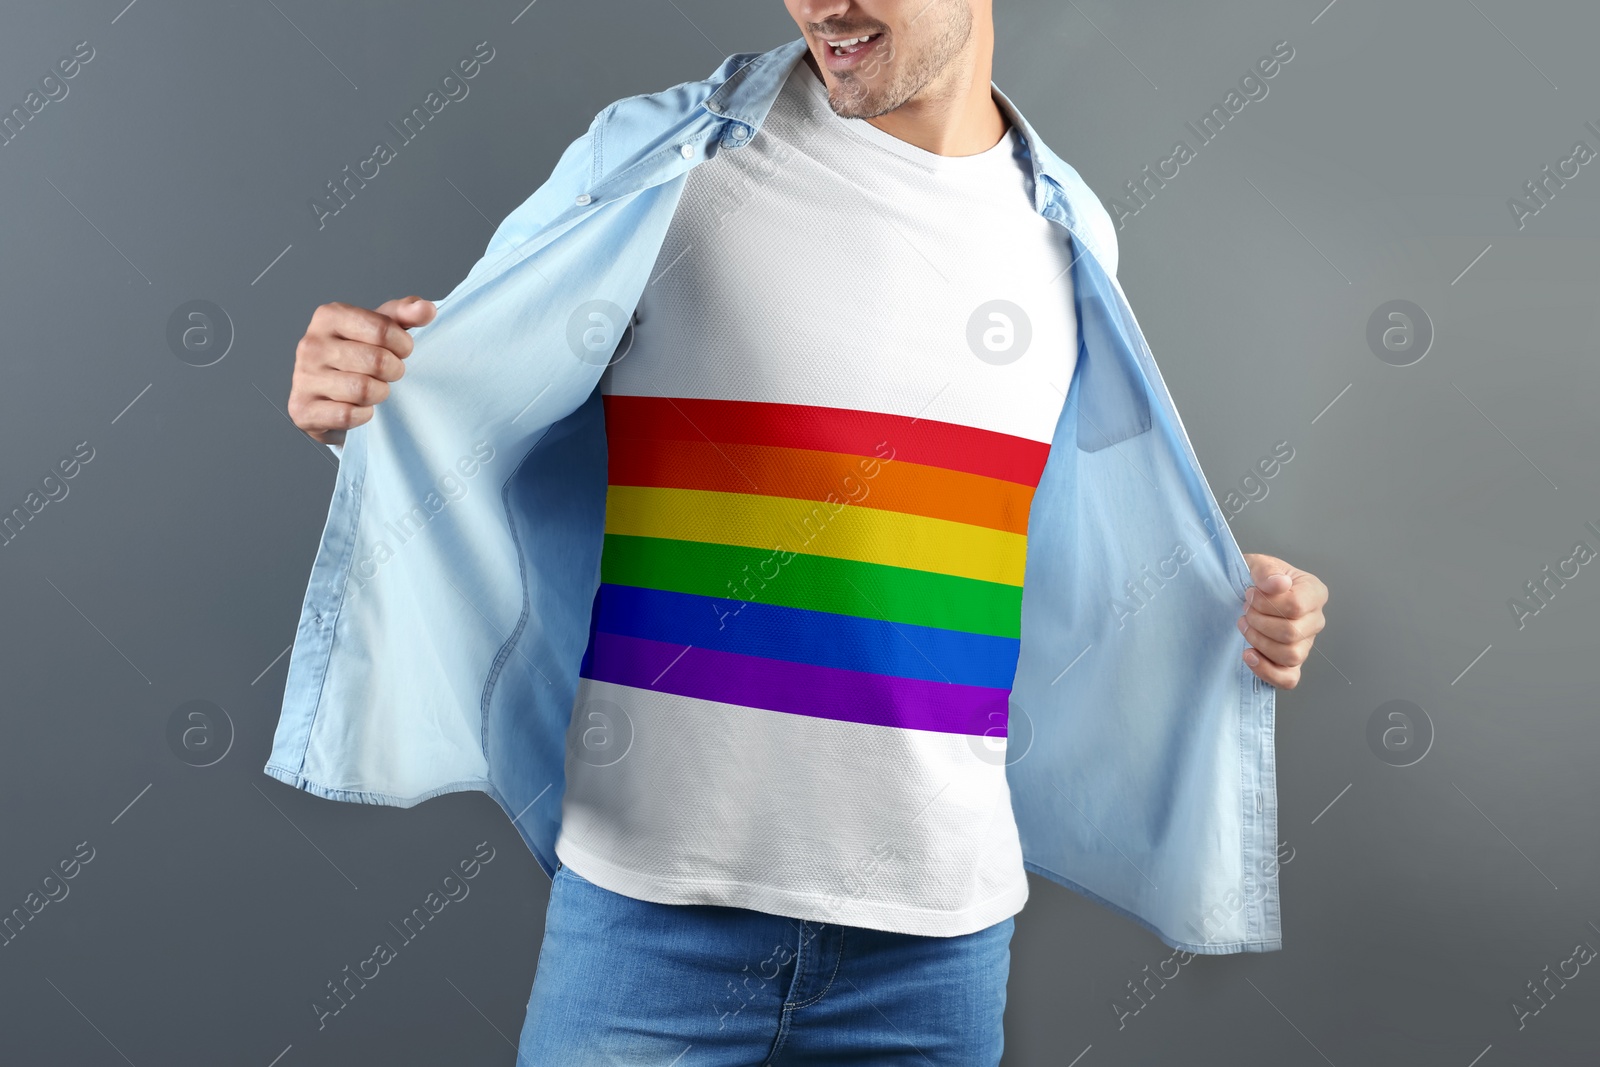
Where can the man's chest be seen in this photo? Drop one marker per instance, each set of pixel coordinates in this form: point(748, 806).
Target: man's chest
point(796, 272)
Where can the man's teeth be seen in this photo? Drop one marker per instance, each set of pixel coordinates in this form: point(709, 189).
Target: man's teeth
point(850, 42)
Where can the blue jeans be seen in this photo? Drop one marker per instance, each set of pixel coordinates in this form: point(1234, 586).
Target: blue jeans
point(627, 982)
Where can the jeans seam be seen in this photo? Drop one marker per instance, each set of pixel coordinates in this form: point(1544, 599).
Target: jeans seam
point(799, 962)
point(785, 1011)
point(837, 961)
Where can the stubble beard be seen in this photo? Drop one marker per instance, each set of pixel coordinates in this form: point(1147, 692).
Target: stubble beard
point(886, 82)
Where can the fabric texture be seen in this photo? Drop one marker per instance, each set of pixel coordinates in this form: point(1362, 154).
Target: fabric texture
point(823, 436)
point(623, 982)
point(446, 612)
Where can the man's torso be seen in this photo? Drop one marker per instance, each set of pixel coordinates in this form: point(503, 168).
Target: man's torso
point(823, 441)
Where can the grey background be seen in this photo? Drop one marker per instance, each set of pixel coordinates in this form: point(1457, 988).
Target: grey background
point(1419, 900)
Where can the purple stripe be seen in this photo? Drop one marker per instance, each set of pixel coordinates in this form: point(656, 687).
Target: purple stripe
point(798, 688)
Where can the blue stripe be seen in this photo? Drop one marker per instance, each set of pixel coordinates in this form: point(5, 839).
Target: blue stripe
point(820, 638)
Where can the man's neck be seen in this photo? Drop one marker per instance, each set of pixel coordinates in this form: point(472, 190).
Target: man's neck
point(956, 115)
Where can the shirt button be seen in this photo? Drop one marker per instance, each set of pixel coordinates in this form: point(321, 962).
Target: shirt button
point(740, 133)
point(686, 151)
point(583, 198)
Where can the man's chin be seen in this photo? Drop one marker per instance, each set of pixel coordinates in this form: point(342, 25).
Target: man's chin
point(852, 105)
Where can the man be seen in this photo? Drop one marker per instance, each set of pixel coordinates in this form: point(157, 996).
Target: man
point(832, 444)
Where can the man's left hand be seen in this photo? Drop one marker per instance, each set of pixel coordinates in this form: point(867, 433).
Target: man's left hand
point(1282, 616)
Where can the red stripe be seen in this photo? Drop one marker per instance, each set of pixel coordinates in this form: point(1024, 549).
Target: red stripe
point(825, 429)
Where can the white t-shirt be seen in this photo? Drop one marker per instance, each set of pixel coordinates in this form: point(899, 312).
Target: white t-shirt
point(823, 441)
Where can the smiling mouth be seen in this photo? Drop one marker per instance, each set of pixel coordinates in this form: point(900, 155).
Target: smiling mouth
point(849, 46)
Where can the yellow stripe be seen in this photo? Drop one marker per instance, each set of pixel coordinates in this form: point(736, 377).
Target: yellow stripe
point(867, 535)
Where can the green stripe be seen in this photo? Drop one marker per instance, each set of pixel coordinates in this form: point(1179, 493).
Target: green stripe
point(815, 583)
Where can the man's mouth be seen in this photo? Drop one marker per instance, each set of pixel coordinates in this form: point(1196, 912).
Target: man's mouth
point(849, 46)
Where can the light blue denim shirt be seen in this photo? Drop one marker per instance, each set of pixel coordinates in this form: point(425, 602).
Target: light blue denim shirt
point(448, 605)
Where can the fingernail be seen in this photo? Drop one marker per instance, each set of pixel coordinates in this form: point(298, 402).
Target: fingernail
point(1251, 658)
point(1249, 595)
point(1242, 624)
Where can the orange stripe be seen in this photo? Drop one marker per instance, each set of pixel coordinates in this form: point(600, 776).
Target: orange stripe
point(805, 474)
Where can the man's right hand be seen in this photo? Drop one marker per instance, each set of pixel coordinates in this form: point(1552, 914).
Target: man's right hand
point(346, 360)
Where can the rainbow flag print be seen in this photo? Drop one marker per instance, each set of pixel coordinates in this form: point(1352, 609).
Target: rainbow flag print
point(841, 564)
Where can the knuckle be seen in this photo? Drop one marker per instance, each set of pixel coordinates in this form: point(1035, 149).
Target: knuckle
point(352, 325)
point(302, 396)
point(377, 328)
